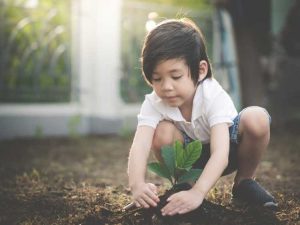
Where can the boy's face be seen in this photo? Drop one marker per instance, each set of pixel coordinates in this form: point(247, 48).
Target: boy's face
point(172, 82)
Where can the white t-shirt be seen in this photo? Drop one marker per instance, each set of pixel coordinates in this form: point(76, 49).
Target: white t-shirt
point(211, 106)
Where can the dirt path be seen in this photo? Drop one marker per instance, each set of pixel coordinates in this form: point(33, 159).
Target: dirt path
point(83, 181)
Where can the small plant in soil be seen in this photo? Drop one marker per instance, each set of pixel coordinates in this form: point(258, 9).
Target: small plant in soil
point(177, 166)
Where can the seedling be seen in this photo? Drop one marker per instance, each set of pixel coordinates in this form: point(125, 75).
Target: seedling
point(177, 163)
point(176, 167)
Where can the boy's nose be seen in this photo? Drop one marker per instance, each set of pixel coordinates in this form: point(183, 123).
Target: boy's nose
point(166, 85)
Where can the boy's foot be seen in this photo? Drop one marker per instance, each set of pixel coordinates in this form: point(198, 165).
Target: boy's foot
point(251, 192)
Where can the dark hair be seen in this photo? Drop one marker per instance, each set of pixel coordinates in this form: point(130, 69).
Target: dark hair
point(176, 38)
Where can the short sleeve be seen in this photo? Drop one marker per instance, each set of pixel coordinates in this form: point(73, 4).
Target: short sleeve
point(148, 115)
point(221, 110)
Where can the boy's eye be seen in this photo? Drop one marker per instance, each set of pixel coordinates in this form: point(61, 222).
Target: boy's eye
point(156, 79)
point(177, 77)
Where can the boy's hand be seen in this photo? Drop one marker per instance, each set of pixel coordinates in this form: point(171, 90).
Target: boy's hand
point(145, 195)
point(183, 202)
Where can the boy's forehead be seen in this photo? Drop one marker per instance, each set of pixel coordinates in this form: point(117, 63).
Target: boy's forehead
point(176, 63)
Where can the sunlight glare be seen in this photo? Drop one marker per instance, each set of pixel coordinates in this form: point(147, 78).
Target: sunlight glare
point(150, 24)
point(31, 4)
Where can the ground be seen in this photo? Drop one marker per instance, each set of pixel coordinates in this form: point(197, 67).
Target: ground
point(84, 181)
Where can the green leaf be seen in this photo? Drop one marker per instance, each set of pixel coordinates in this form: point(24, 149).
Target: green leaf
point(179, 154)
point(160, 169)
point(191, 175)
point(179, 172)
point(177, 162)
point(192, 153)
point(168, 156)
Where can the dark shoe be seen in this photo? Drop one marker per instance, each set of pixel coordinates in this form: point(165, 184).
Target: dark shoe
point(251, 192)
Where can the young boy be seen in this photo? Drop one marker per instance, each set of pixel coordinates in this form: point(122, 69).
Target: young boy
point(186, 104)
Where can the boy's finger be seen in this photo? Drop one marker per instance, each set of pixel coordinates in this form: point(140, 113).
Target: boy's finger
point(183, 210)
point(143, 203)
point(173, 212)
point(153, 196)
point(170, 207)
point(137, 204)
point(173, 197)
point(153, 187)
point(149, 200)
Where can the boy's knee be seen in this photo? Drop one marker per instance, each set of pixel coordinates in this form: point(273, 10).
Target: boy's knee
point(255, 121)
point(164, 135)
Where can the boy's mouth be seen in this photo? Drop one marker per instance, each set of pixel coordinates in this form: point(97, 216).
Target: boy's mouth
point(170, 98)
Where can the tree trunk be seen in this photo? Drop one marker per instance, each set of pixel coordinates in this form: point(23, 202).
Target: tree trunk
point(250, 68)
point(251, 22)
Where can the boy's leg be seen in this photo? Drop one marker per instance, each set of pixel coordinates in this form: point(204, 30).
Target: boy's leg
point(165, 134)
point(254, 128)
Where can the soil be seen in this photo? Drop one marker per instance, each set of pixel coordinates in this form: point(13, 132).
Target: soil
point(84, 181)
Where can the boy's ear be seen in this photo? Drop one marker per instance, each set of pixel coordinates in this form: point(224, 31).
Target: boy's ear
point(203, 69)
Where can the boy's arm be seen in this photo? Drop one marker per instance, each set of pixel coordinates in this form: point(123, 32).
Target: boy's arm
point(185, 201)
point(143, 194)
point(218, 161)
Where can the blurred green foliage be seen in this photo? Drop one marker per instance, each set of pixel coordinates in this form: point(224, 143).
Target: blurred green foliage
point(73, 126)
point(196, 4)
point(39, 131)
point(135, 15)
point(35, 51)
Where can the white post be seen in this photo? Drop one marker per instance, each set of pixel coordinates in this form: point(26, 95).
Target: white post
point(100, 52)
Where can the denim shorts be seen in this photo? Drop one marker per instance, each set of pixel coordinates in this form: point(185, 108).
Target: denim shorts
point(234, 141)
